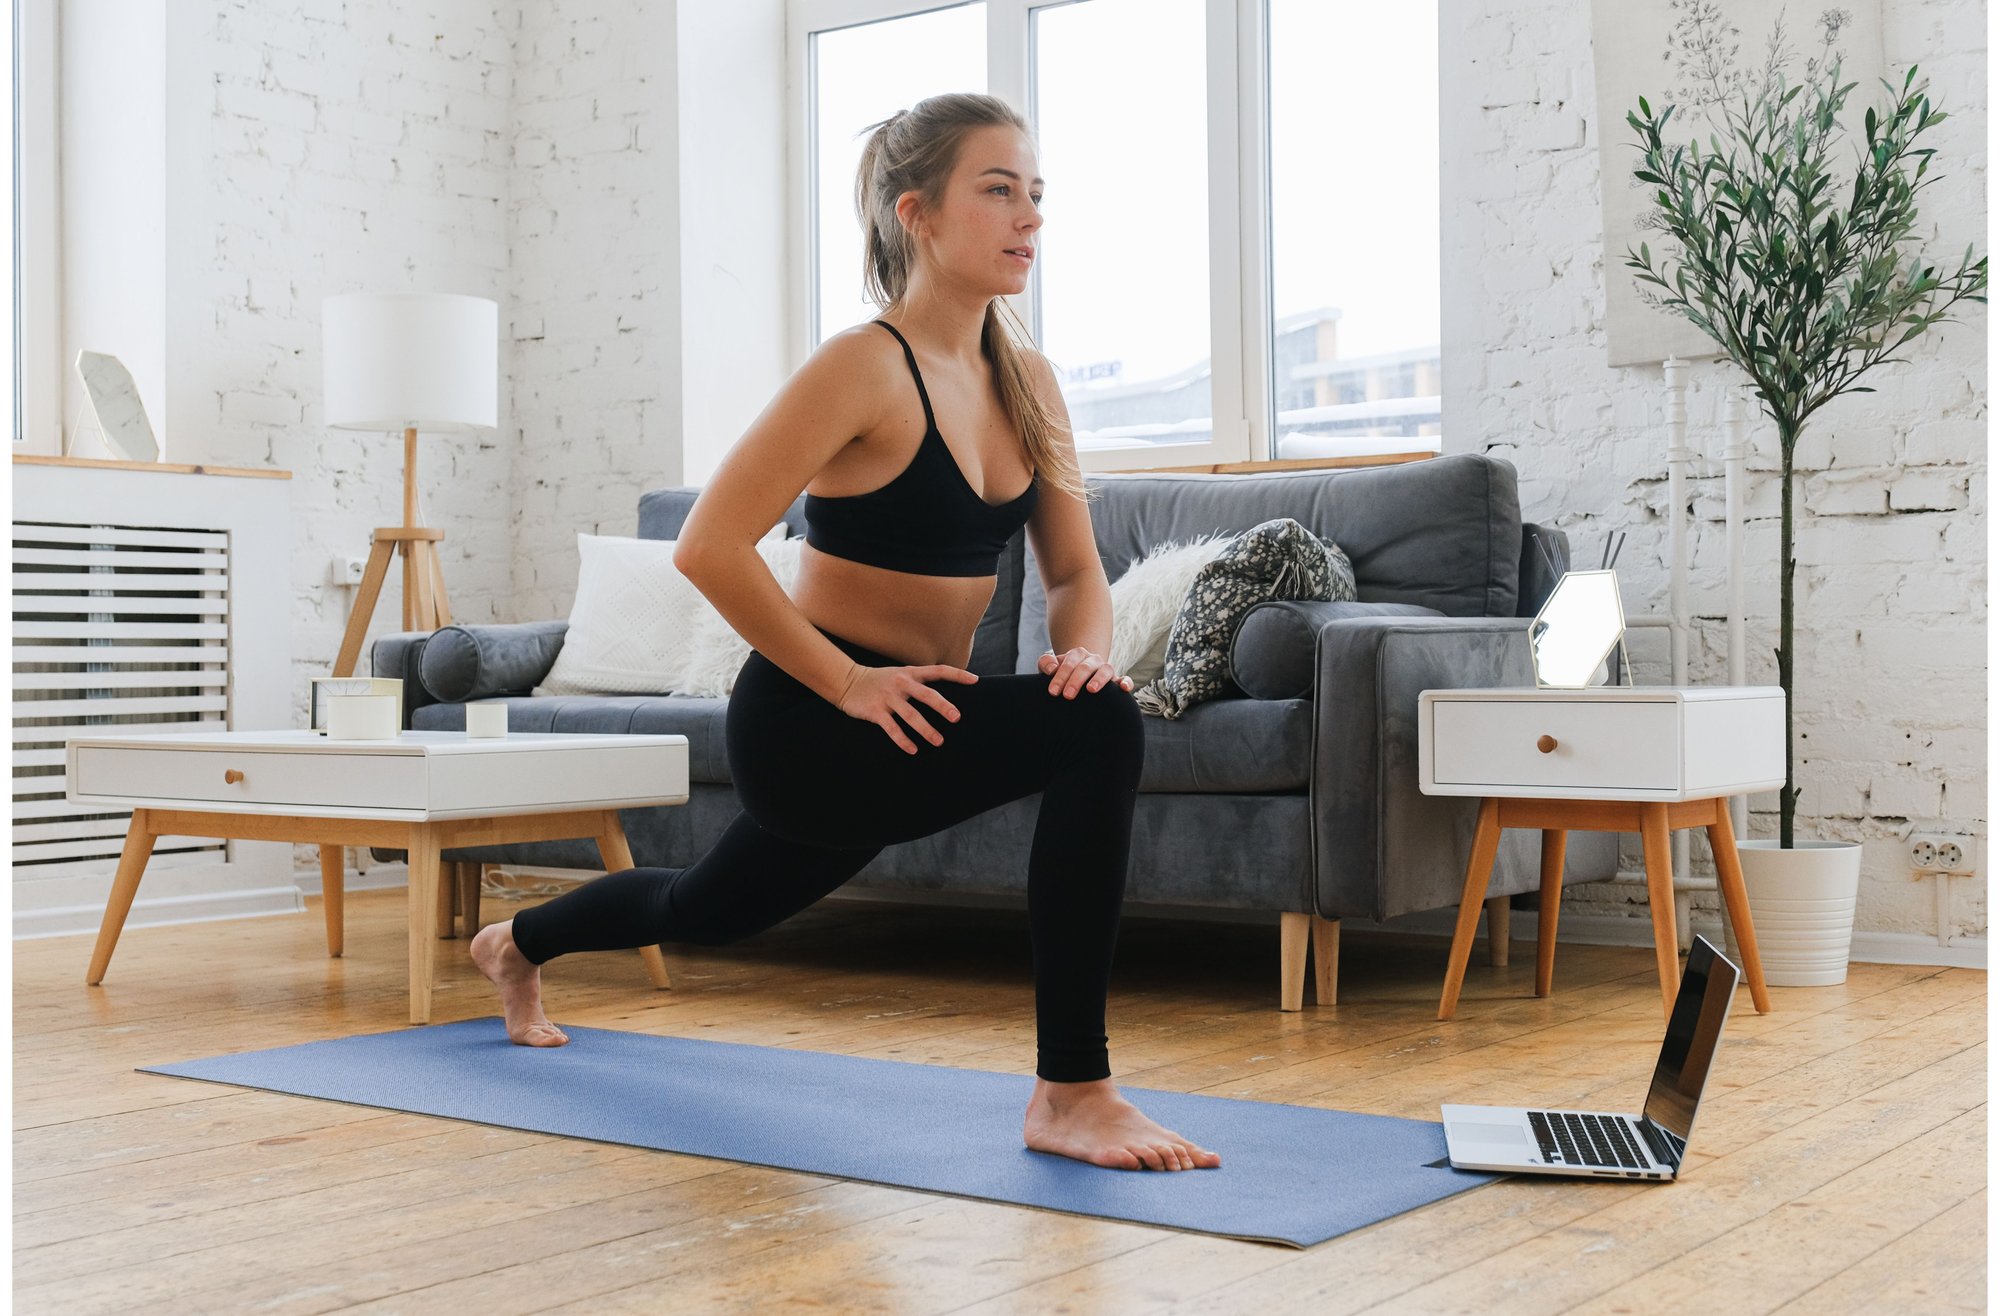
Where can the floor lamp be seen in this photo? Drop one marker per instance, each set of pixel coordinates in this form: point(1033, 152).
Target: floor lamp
point(406, 362)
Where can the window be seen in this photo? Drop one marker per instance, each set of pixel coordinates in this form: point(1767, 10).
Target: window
point(33, 324)
point(861, 75)
point(10, 130)
point(1241, 256)
point(1123, 279)
point(1354, 227)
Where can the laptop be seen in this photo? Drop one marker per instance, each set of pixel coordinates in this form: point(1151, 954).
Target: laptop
point(1644, 1146)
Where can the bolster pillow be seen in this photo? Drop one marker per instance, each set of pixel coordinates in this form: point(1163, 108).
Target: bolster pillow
point(1272, 655)
point(461, 663)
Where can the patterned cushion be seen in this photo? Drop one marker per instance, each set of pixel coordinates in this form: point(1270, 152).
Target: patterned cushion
point(1276, 559)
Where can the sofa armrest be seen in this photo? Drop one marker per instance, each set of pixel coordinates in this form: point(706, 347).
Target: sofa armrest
point(397, 656)
point(1381, 847)
point(461, 663)
point(1273, 652)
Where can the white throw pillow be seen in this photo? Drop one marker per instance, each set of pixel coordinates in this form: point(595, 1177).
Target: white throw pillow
point(1145, 600)
point(632, 625)
point(715, 651)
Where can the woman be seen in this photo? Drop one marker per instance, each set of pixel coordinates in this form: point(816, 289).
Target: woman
point(853, 724)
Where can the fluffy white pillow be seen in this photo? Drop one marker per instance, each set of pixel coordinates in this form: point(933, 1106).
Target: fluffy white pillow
point(1145, 600)
point(632, 625)
point(715, 650)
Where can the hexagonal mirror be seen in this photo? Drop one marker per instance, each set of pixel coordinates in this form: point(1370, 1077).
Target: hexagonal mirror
point(1577, 628)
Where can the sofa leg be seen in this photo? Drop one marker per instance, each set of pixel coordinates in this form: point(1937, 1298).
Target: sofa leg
point(1497, 930)
point(1292, 929)
point(1326, 959)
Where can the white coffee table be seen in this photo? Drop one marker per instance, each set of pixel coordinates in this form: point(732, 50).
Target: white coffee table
point(422, 792)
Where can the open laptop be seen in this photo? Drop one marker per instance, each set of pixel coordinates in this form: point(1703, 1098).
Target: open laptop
point(1646, 1146)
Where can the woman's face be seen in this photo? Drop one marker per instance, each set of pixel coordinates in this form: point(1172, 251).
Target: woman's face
point(991, 210)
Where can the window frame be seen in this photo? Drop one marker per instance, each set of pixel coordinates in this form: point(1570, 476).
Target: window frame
point(40, 235)
point(1239, 175)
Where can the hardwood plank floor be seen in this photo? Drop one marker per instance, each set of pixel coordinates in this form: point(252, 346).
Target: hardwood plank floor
point(1839, 1164)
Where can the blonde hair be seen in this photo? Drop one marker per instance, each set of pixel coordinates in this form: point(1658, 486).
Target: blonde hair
point(915, 150)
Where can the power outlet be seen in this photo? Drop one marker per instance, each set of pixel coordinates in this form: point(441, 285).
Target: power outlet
point(1941, 852)
point(345, 570)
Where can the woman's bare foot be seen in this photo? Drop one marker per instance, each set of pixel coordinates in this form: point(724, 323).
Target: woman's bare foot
point(1091, 1122)
point(520, 984)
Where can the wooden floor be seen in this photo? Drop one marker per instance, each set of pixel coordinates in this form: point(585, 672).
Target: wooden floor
point(1839, 1164)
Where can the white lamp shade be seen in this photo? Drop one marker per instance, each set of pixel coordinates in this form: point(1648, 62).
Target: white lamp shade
point(396, 360)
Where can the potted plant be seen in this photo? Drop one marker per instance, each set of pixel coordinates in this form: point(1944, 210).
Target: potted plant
point(1802, 280)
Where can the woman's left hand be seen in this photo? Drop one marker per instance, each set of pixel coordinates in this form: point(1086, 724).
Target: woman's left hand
point(1078, 669)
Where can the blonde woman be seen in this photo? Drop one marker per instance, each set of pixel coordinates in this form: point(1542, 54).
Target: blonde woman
point(923, 440)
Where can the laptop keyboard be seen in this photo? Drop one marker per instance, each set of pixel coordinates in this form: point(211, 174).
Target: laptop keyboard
point(1568, 1138)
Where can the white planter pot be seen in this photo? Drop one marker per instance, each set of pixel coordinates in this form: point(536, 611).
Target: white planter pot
point(1802, 905)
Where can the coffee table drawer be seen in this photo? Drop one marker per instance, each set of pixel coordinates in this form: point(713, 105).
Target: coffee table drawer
point(1596, 745)
point(320, 779)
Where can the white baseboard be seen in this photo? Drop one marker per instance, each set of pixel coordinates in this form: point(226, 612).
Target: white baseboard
point(203, 907)
point(1612, 930)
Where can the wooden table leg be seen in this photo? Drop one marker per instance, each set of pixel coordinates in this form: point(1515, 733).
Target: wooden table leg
point(333, 886)
point(447, 892)
point(469, 876)
point(1478, 871)
point(423, 851)
point(617, 856)
point(1660, 895)
point(124, 885)
point(1499, 927)
point(1554, 842)
point(1729, 876)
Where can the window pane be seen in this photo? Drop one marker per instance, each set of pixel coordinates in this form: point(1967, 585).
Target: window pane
point(1354, 227)
point(864, 74)
point(10, 132)
point(1121, 120)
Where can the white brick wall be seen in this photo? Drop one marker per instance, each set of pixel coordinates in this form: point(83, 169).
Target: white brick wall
point(529, 153)
point(1891, 499)
point(593, 314)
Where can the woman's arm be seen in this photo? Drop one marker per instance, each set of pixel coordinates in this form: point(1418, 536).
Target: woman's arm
point(830, 401)
point(1066, 548)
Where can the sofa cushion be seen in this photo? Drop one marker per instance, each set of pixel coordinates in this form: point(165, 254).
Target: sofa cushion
point(1223, 745)
point(1279, 559)
point(478, 662)
point(699, 719)
point(1230, 744)
point(1443, 533)
point(1272, 656)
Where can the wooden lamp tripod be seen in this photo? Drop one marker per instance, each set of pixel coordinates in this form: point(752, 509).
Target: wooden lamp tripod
point(408, 361)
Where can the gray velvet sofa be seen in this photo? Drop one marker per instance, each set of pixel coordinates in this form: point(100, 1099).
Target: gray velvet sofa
point(1296, 793)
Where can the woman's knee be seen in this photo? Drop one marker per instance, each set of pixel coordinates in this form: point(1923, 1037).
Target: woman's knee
point(1107, 719)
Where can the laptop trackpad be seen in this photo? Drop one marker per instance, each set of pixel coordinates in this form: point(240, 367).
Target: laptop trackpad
point(1503, 1135)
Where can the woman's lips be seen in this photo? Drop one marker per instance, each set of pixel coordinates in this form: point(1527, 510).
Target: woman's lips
point(1025, 260)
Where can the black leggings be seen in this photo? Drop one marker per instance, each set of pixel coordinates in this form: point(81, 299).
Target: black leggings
point(823, 793)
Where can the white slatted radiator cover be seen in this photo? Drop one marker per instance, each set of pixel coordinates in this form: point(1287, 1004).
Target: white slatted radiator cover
point(115, 628)
point(144, 600)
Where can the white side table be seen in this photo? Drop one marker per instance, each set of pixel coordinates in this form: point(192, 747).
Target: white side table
point(423, 792)
point(1644, 759)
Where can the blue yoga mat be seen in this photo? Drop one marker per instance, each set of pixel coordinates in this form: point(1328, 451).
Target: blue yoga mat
point(1289, 1174)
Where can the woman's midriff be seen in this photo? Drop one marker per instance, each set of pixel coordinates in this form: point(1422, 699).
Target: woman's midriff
point(916, 619)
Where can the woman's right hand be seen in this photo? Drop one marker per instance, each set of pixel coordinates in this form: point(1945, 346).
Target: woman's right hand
point(883, 694)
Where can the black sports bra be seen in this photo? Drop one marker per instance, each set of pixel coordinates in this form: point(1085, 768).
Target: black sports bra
point(928, 520)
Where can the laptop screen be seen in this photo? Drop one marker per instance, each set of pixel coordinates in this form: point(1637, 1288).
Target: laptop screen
point(1707, 984)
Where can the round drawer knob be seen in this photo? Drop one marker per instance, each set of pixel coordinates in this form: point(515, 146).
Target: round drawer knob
point(1547, 744)
point(232, 776)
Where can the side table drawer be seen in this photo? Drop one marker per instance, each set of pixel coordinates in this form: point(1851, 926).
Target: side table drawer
point(317, 780)
point(1598, 745)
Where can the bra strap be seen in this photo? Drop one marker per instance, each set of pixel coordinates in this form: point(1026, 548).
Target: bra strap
point(930, 421)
